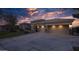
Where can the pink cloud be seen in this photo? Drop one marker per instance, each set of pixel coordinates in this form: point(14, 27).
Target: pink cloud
point(51, 15)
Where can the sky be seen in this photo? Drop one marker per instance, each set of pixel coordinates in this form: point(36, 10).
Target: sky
point(36, 12)
point(31, 14)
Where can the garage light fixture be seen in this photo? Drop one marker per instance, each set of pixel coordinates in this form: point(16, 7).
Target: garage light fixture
point(53, 26)
point(60, 26)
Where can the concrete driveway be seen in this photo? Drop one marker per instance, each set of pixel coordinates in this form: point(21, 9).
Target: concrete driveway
point(40, 41)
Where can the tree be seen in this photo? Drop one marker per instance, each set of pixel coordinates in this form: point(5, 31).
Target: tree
point(76, 15)
point(11, 19)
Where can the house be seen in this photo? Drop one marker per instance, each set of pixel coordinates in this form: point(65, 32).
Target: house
point(25, 27)
point(53, 25)
point(4, 28)
point(3, 25)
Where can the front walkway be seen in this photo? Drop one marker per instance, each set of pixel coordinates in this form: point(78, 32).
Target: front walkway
point(40, 41)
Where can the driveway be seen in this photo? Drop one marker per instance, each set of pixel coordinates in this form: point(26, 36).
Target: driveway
point(40, 41)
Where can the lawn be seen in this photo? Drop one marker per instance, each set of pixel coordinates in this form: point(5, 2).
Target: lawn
point(10, 34)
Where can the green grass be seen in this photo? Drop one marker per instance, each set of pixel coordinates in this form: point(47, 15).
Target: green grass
point(10, 34)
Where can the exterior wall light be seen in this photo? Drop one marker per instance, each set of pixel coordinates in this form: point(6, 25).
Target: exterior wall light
point(70, 26)
point(42, 26)
point(37, 26)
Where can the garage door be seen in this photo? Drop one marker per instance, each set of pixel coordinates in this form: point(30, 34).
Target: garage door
point(59, 29)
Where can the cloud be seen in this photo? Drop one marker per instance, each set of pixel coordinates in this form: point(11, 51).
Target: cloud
point(49, 15)
point(24, 20)
point(32, 11)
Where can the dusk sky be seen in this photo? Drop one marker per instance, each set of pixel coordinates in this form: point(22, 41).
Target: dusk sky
point(36, 12)
point(30, 14)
